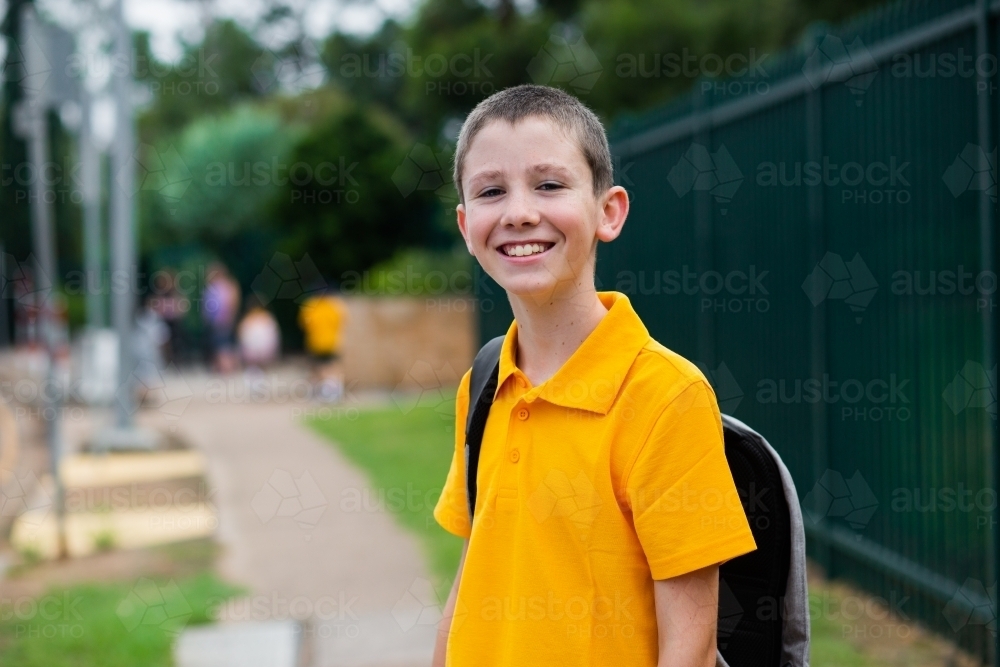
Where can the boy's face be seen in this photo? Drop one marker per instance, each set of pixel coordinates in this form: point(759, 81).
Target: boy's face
point(530, 214)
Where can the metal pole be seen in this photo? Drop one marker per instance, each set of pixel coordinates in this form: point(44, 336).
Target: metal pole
point(704, 240)
point(122, 232)
point(987, 253)
point(90, 160)
point(817, 319)
point(43, 239)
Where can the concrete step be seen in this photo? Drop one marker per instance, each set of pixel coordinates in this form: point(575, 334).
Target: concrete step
point(250, 644)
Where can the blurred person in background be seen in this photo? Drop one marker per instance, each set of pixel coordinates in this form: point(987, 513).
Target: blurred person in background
point(258, 335)
point(220, 305)
point(151, 338)
point(322, 317)
point(172, 307)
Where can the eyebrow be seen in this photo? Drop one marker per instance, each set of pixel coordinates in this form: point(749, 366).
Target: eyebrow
point(543, 167)
point(488, 175)
point(549, 167)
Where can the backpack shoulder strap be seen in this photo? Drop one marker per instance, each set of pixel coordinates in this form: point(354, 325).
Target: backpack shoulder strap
point(482, 387)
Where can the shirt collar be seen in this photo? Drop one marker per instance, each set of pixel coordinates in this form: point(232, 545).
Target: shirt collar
point(592, 377)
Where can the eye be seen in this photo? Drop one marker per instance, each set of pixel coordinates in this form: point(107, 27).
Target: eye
point(491, 192)
point(550, 185)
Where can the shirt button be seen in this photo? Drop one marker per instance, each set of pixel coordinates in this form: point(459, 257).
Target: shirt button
point(515, 455)
point(522, 414)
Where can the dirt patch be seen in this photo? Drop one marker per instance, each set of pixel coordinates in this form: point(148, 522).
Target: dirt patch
point(879, 634)
point(169, 561)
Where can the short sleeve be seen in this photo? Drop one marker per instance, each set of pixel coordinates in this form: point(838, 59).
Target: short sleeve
point(685, 507)
point(452, 509)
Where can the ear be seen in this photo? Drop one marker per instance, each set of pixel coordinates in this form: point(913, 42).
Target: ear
point(463, 227)
point(614, 210)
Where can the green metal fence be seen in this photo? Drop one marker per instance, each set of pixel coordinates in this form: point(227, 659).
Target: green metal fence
point(820, 238)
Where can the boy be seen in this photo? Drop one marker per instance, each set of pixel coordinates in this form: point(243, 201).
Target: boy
point(605, 503)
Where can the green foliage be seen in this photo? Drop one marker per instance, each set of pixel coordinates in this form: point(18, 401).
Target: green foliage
point(209, 78)
point(350, 214)
point(504, 43)
point(827, 644)
point(416, 272)
point(227, 170)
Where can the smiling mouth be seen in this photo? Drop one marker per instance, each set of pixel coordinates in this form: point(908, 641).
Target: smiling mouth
point(524, 249)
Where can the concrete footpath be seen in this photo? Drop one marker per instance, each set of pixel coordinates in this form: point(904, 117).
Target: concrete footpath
point(354, 579)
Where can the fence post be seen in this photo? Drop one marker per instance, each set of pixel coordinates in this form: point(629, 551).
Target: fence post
point(984, 117)
point(817, 320)
point(703, 233)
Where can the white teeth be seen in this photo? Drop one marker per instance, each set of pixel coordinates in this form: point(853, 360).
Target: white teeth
point(522, 250)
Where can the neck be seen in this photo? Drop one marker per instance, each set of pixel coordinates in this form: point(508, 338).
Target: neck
point(550, 330)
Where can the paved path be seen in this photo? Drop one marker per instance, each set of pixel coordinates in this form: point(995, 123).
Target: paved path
point(354, 576)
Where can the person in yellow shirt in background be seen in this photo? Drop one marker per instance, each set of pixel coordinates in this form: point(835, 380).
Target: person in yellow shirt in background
point(322, 318)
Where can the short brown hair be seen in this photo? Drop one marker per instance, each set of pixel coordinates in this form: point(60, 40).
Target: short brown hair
point(520, 102)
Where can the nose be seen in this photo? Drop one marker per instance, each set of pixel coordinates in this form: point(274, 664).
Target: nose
point(519, 210)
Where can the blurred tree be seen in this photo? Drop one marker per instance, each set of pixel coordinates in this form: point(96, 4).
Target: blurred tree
point(217, 179)
point(361, 66)
point(341, 205)
point(15, 231)
point(210, 77)
point(456, 52)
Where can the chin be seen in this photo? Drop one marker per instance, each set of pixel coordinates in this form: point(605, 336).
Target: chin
point(528, 289)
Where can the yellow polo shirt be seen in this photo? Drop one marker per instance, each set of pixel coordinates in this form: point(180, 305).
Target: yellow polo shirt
point(323, 318)
point(606, 476)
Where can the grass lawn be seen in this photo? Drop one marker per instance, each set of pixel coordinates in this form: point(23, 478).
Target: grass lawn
point(406, 453)
point(106, 624)
point(828, 648)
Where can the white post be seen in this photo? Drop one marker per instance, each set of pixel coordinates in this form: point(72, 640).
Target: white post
point(122, 233)
point(35, 38)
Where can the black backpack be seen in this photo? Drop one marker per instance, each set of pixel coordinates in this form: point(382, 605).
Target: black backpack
point(763, 602)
